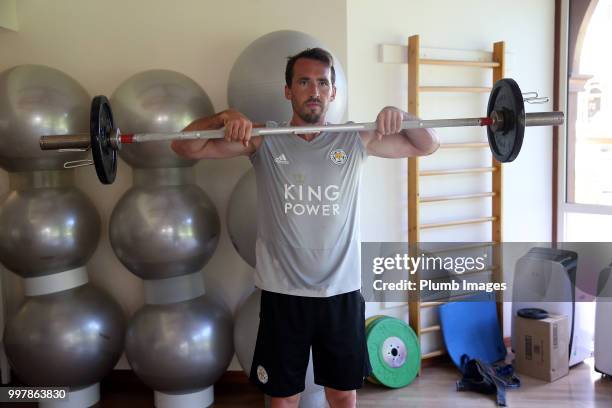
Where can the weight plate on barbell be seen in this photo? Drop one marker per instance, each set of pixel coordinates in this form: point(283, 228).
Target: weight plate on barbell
point(507, 100)
point(101, 127)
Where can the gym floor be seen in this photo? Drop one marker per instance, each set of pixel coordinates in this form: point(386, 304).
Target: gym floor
point(582, 388)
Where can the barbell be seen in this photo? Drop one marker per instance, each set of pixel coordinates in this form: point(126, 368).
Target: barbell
point(505, 121)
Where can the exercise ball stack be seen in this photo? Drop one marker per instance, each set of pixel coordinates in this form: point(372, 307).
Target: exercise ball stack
point(67, 332)
point(255, 88)
point(241, 224)
point(165, 229)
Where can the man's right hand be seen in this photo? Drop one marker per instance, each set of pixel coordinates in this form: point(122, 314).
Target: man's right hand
point(237, 127)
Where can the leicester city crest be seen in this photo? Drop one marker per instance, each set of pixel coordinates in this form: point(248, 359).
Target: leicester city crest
point(338, 156)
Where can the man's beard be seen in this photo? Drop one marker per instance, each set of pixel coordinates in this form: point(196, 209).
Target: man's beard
point(309, 115)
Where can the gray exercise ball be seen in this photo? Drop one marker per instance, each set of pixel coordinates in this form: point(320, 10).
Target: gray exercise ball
point(180, 347)
point(164, 231)
point(160, 101)
point(257, 79)
point(69, 338)
point(241, 217)
point(245, 337)
point(37, 100)
point(47, 230)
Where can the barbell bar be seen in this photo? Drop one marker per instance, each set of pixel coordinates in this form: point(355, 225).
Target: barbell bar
point(505, 121)
point(82, 141)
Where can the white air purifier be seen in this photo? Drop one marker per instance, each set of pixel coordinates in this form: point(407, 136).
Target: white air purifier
point(603, 323)
point(545, 278)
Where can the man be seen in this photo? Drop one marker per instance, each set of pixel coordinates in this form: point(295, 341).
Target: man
point(308, 246)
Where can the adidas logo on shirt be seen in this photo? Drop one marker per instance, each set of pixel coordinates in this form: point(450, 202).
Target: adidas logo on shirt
point(281, 159)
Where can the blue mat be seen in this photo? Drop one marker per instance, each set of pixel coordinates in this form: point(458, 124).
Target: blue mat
point(471, 328)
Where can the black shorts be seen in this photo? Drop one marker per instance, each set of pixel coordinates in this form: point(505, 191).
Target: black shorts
point(290, 325)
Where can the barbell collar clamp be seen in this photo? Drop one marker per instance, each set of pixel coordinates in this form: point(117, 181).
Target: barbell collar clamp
point(116, 139)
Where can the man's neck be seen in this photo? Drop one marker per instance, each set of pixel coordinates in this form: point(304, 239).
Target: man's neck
point(297, 121)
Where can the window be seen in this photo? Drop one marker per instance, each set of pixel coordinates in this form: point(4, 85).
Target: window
point(591, 168)
point(586, 207)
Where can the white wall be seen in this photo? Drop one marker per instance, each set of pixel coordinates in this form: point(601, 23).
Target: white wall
point(102, 43)
point(8, 15)
point(527, 27)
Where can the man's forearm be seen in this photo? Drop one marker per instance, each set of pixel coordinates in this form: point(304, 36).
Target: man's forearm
point(188, 147)
point(215, 121)
point(423, 140)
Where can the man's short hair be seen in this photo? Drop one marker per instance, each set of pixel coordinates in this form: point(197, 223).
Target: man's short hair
point(318, 54)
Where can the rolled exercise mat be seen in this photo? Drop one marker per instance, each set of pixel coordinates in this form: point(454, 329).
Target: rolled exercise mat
point(471, 328)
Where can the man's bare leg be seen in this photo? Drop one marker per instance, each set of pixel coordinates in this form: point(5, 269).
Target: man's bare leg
point(341, 399)
point(285, 402)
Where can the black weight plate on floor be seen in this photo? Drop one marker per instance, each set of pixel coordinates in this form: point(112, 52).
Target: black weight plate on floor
point(101, 128)
point(507, 99)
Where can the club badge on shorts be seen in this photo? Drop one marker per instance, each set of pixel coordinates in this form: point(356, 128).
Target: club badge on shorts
point(338, 156)
point(262, 375)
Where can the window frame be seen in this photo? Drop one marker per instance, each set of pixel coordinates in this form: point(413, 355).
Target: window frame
point(563, 206)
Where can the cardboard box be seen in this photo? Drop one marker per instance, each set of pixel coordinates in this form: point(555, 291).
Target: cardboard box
point(543, 347)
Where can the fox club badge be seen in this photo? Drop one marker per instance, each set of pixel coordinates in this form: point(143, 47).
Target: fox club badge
point(262, 375)
point(338, 156)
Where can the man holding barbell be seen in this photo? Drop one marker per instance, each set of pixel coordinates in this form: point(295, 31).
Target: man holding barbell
point(308, 245)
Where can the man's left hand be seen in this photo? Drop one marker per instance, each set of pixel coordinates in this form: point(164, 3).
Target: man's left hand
point(388, 121)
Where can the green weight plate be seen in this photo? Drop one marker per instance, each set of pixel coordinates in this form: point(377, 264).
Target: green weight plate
point(394, 350)
point(506, 100)
point(371, 320)
point(368, 323)
point(373, 380)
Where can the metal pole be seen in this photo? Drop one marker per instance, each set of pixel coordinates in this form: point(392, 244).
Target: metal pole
point(64, 141)
point(350, 127)
point(544, 119)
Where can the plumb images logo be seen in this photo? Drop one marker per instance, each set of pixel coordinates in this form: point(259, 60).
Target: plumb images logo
point(437, 274)
point(412, 264)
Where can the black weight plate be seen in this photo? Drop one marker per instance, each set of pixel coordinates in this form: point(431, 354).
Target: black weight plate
point(533, 313)
point(506, 98)
point(101, 128)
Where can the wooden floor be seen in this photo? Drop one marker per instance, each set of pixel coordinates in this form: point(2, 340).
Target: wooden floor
point(435, 388)
point(582, 388)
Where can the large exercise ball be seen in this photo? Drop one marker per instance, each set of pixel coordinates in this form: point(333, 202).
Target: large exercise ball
point(69, 338)
point(245, 330)
point(257, 79)
point(161, 231)
point(180, 347)
point(47, 230)
point(241, 217)
point(160, 101)
point(245, 337)
point(37, 100)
